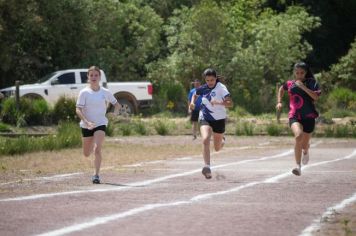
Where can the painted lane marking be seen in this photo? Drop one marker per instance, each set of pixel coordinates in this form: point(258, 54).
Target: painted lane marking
point(148, 182)
point(310, 230)
point(53, 177)
point(148, 207)
point(140, 183)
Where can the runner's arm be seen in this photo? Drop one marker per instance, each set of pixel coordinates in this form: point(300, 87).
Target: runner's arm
point(279, 98)
point(228, 102)
point(80, 114)
point(192, 102)
point(313, 94)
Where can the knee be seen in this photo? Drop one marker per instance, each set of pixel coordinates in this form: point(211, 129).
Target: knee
point(97, 150)
point(86, 153)
point(206, 141)
point(299, 138)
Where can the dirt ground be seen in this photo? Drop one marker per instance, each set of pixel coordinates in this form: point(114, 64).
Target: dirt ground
point(153, 185)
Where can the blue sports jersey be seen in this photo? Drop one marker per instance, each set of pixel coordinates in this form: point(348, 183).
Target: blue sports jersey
point(209, 112)
point(197, 101)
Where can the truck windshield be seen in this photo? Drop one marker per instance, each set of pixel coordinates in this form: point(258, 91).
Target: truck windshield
point(46, 77)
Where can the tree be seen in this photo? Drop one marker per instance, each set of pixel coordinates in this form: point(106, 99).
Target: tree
point(344, 71)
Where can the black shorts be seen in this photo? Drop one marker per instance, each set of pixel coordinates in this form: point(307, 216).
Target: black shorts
point(90, 132)
point(308, 124)
point(218, 126)
point(194, 116)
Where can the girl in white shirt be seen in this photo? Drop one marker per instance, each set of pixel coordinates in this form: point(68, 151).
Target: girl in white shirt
point(91, 109)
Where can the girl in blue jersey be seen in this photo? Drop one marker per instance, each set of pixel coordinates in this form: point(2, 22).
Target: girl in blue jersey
point(212, 116)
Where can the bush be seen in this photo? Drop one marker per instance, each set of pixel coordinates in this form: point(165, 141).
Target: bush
point(68, 135)
point(329, 131)
point(342, 131)
point(31, 112)
point(4, 127)
point(140, 128)
point(274, 129)
point(125, 129)
point(342, 98)
point(161, 127)
point(245, 128)
point(64, 110)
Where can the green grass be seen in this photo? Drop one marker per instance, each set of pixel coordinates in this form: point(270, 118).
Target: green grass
point(274, 129)
point(162, 126)
point(4, 127)
point(68, 136)
point(245, 128)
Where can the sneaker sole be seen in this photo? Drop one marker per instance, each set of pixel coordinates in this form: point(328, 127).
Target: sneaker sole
point(206, 172)
point(296, 172)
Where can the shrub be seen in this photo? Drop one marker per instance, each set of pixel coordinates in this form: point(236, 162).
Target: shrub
point(161, 127)
point(125, 129)
point(30, 112)
point(140, 128)
point(64, 110)
point(4, 127)
point(329, 131)
point(68, 135)
point(274, 129)
point(342, 131)
point(245, 128)
point(342, 98)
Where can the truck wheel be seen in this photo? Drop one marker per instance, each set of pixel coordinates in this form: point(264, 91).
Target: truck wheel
point(127, 108)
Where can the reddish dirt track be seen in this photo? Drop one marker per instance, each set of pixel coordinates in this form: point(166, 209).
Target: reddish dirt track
point(236, 201)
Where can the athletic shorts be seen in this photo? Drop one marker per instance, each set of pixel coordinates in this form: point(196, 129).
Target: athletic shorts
point(194, 116)
point(218, 126)
point(308, 124)
point(90, 132)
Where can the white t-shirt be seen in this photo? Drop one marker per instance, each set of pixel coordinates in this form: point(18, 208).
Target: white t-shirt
point(94, 105)
point(209, 112)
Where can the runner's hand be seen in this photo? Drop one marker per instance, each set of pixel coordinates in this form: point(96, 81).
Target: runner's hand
point(90, 125)
point(191, 106)
point(279, 106)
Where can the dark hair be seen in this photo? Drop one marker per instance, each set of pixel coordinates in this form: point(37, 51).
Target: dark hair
point(306, 68)
point(209, 72)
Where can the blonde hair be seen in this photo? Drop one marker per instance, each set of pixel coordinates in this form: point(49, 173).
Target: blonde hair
point(94, 68)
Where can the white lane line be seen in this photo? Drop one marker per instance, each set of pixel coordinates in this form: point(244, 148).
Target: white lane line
point(140, 183)
point(227, 149)
point(148, 182)
point(328, 213)
point(53, 177)
point(106, 219)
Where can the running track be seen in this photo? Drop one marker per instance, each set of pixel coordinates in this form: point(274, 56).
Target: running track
point(252, 193)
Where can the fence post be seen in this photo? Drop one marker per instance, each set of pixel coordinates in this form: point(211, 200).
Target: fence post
point(17, 94)
point(278, 112)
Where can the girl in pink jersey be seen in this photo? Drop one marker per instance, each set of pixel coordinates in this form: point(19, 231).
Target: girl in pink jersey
point(303, 91)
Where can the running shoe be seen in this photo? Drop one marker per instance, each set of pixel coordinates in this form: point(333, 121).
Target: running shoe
point(95, 179)
point(223, 142)
point(206, 172)
point(305, 158)
point(194, 137)
point(297, 171)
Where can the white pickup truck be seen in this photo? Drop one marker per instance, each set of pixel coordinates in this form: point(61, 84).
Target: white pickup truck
point(132, 95)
